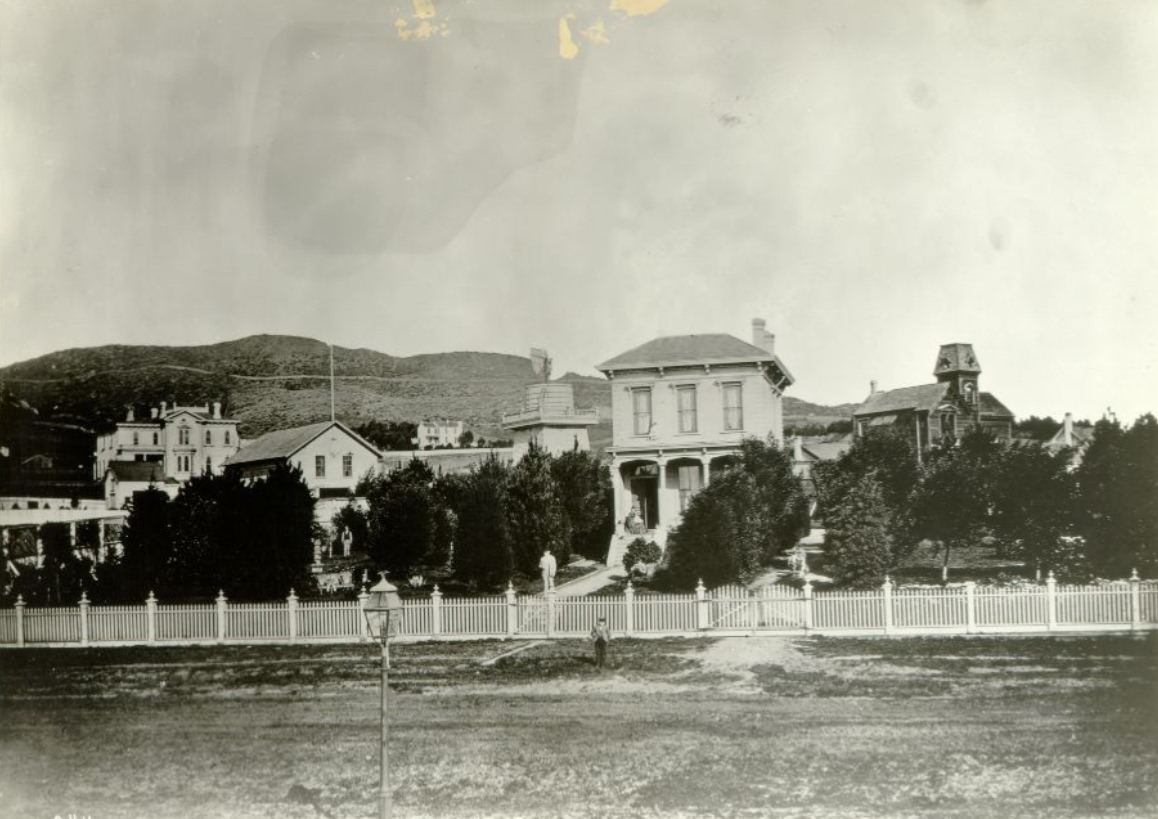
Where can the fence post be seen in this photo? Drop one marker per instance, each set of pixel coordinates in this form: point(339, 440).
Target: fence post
point(20, 604)
point(629, 599)
point(550, 612)
point(436, 611)
point(291, 607)
point(887, 589)
point(702, 615)
point(221, 615)
point(365, 627)
point(1051, 602)
point(1135, 601)
point(808, 605)
point(512, 610)
point(84, 618)
point(151, 614)
point(970, 607)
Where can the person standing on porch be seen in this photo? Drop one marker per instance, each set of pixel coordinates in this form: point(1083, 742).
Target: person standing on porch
point(600, 637)
point(547, 567)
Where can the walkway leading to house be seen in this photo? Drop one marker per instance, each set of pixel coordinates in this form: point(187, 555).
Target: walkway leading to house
point(588, 583)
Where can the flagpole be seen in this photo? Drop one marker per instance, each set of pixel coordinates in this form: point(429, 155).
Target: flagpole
point(333, 416)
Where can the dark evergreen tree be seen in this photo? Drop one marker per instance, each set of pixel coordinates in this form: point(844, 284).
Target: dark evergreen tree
point(276, 543)
point(482, 546)
point(403, 519)
point(1118, 489)
point(858, 546)
point(1033, 509)
point(147, 542)
point(537, 519)
point(584, 487)
point(741, 521)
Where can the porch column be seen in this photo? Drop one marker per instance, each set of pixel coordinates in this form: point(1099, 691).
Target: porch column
point(663, 510)
point(618, 492)
point(706, 466)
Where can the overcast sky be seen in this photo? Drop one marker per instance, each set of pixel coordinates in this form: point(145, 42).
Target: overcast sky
point(873, 178)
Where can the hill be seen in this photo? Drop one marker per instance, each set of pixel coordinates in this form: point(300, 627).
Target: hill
point(268, 381)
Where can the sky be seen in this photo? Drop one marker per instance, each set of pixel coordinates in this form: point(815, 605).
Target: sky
point(873, 177)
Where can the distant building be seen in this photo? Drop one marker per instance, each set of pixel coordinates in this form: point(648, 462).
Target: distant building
point(1074, 437)
point(435, 433)
point(331, 456)
point(681, 405)
point(125, 478)
point(930, 414)
point(182, 441)
point(549, 419)
point(447, 461)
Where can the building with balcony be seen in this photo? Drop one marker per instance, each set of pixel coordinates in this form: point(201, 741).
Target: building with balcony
point(435, 433)
point(549, 419)
point(681, 405)
point(182, 441)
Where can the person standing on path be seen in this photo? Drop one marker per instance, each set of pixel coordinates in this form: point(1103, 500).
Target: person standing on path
point(600, 637)
point(547, 567)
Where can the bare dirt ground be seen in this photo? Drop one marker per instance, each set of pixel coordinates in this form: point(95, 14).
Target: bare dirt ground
point(953, 727)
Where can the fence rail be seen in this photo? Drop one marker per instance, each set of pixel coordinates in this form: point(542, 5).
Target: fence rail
point(1130, 605)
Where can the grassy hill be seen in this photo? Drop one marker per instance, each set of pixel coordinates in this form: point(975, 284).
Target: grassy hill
point(267, 382)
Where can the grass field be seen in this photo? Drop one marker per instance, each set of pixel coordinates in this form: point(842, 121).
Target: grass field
point(949, 727)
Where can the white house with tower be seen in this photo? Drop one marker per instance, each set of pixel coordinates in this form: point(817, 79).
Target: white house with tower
point(681, 405)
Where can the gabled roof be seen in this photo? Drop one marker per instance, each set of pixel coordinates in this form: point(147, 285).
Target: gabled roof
point(283, 443)
point(708, 348)
point(989, 405)
point(138, 471)
point(827, 450)
point(922, 397)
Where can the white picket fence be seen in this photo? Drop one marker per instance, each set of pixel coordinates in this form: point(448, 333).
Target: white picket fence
point(1130, 605)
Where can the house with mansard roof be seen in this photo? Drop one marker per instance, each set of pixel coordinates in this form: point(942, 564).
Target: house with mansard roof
point(680, 406)
point(331, 456)
point(929, 414)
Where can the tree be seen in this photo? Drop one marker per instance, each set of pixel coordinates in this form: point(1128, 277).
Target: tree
point(858, 546)
point(1033, 503)
point(1118, 488)
point(402, 518)
point(743, 519)
point(147, 543)
point(536, 516)
point(482, 545)
point(389, 435)
point(953, 500)
point(584, 486)
point(276, 544)
point(466, 439)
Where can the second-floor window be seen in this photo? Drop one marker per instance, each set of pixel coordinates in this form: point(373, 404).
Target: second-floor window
point(183, 436)
point(135, 439)
point(227, 438)
point(733, 406)
point(641, 410)
point(347, 466)
point(686, 406)
point(208, 437)
point(156, 438)
point(320, 466)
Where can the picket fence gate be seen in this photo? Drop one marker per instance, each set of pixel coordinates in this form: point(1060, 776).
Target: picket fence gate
point(968, 608)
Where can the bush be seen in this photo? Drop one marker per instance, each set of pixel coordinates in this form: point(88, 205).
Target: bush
point(641, 551)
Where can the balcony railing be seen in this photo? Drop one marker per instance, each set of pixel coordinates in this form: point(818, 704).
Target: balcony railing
point(545, 413)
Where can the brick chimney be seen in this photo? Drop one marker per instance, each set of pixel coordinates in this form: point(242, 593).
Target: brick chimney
point(129, 415)
point(217, 409)
point(761, 337)
point(153, 413)
point(872, 388)
point(162, 409)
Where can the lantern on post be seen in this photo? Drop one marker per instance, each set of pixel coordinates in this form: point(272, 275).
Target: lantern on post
point(383, 610)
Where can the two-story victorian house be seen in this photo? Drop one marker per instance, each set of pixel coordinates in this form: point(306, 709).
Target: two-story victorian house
point(331, 456)
point(930, 414)
point(181, 441)
point(680, 407)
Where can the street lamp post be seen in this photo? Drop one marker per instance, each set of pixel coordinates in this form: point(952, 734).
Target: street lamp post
point(383, 610)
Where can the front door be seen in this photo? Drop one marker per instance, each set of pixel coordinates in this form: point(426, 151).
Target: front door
point(645, 495)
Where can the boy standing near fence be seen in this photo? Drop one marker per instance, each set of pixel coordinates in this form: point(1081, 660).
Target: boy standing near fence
point(600, 637)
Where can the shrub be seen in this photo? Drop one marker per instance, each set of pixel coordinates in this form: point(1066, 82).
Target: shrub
point(641, 551)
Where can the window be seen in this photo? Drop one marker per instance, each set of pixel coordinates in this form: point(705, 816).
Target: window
point(347, 466)
point(686, 404)
point(156, 439)
point(948, 425)
point(208, 464)
point(641, 410)
point(183, 436)
point(733, 406)
point(208, 437)
point(227, 438)
point(689, 484)
point(136, 439)
point(320, 466)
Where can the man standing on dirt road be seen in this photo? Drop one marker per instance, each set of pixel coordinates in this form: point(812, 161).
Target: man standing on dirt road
point(601, 636)
point(547, 567)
